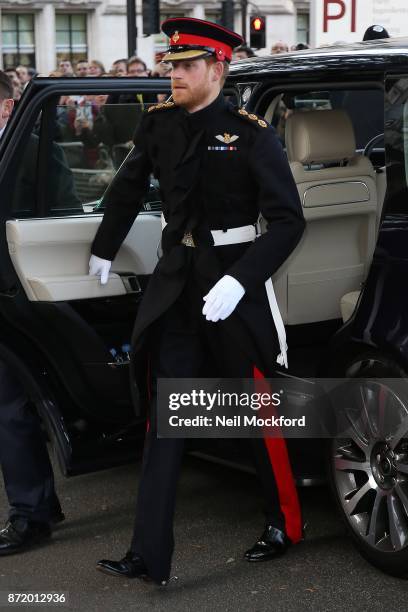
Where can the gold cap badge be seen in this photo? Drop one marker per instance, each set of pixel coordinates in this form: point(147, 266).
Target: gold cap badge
point(175, 36)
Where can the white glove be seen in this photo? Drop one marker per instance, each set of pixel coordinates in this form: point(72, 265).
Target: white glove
point(222, 299)
point(99, 267)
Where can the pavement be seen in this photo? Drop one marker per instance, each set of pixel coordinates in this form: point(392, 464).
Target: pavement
point(218, 517)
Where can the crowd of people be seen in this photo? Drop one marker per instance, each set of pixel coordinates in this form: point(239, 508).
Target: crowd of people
point(136, 67)
point(124, 67)
point(244, 51)
point(93, 120)
point(132, 67)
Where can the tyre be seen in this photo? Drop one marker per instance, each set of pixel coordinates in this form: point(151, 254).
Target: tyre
point(368, 464)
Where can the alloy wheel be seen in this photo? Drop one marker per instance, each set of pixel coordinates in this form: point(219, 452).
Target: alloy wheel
point(370, 464)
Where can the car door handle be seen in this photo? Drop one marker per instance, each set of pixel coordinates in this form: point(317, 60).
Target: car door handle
point(130, 282)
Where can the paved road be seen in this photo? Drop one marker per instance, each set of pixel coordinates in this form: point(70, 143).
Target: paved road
point(218, 516)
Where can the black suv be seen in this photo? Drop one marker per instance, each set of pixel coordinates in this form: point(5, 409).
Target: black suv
point(342, 115)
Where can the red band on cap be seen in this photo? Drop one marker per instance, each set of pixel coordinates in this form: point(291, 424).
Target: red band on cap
point(222, 50)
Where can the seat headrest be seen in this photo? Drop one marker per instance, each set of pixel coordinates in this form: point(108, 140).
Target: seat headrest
point(319, 136)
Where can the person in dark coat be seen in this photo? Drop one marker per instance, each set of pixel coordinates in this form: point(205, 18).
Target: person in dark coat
point(375, 32)
point(206, 308)
point(26, 468)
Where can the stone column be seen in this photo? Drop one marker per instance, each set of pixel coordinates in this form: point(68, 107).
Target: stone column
point(95, 32)
point(45, 51)
point(198, 11)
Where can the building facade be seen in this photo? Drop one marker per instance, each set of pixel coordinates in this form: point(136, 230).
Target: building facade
point(39, 33)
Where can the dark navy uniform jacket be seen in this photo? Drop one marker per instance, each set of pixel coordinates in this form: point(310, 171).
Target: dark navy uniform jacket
point(217, 168)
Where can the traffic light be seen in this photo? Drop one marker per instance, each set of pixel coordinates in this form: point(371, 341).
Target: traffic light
point(257, 32)
point(227, 14)
point(151, 17)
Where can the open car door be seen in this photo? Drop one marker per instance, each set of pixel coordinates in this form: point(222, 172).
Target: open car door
point(69, 333)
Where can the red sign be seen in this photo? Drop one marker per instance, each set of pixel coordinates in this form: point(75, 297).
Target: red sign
point(340, 9)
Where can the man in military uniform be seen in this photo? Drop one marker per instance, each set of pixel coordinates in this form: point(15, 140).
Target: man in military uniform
point(206, 307)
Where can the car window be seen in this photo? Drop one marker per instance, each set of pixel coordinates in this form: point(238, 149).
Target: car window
point(95, 135)
point(364, 107)
point(73, 152)
point(396, 143)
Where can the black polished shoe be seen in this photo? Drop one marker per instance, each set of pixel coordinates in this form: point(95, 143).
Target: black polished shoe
point(18, 535)
point(131, 566)
point(272, 543)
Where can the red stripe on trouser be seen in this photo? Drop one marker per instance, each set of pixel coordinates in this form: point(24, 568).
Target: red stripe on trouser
point(288, 497)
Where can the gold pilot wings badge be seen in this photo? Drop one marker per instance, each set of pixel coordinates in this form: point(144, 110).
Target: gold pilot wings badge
point(227, 138)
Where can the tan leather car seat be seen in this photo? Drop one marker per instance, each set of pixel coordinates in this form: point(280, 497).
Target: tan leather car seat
point(338, 192)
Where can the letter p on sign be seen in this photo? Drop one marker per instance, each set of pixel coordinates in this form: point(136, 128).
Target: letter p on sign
point(337, 9)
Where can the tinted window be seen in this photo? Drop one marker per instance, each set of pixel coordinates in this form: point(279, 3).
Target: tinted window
point(74, 150)
point(364, 107)
point(95, 137)
point(72, 153)
point(396, 142)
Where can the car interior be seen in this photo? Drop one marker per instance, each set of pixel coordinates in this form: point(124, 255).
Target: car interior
point(342, 191)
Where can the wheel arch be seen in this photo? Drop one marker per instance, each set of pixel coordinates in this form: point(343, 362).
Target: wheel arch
point(351, 350)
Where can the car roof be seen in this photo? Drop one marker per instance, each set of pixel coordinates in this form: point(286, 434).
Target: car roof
point(372, 56)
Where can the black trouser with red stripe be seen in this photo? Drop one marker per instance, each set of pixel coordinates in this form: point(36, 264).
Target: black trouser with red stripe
point(182, 344)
